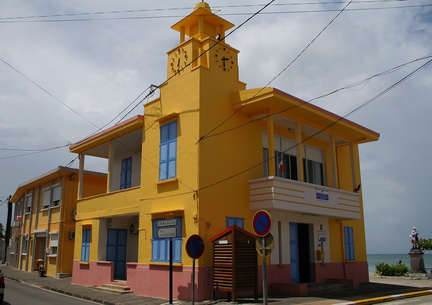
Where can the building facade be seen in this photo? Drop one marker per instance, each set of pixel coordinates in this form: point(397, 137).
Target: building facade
point(44, 220)
point(207, 154)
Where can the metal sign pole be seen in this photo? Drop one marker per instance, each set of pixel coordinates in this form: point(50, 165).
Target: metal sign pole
point(193, 281)
point(171, 271)
point(264, 272)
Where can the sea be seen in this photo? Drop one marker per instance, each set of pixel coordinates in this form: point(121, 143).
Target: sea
point(393, 259)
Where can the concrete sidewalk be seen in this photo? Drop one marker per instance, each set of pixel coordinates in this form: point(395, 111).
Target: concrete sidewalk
point(379, 289)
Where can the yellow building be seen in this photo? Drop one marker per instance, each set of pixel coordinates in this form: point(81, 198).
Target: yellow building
point(44, 220)
point(209, 153)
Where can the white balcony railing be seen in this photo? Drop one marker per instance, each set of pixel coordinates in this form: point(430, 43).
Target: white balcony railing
point(294, 196)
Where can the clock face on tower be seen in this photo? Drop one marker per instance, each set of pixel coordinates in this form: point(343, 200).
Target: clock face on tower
point(224, 58)
point(178, 60)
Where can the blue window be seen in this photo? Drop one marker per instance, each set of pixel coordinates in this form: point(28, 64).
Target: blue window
point(126, 173)
point(168, 151)
point(160, 246)
point(239, 222)
point(349, 243)
point(85, 248)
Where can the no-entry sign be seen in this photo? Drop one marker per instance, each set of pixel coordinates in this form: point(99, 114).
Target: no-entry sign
point(195, 246)
point(261, 223)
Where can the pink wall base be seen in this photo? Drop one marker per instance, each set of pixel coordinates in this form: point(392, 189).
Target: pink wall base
point(153, 280)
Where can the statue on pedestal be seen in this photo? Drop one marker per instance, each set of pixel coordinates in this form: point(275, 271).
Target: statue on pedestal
point(414, 238)
point(416, 254)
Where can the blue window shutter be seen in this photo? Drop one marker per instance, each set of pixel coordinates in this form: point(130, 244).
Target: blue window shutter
point(126, 173)
point(349, 243)
point(239, 222)
point(168, 151)
point(85, 248)
point(177, 249)
point(160, 246)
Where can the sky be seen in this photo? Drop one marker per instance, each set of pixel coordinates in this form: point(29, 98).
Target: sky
point(68, 68)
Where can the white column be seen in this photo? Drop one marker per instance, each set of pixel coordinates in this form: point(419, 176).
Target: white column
point(333, 162)
point(298, 139)
point(271, 146)
point(81, 175)
point(353, 168)
point(110, 165)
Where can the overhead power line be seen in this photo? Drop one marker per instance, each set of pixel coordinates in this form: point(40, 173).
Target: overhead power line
point(30, 151)
point(47, 92)
point(34, 19)
point(326, 127)
point(279, 74)
point(347, 87)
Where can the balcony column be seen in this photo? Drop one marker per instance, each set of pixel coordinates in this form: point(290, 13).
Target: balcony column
point(298, 139)
point(333, 162)
point(81, 175)
point(110, 165)
point(271, 146)
point(353, 167)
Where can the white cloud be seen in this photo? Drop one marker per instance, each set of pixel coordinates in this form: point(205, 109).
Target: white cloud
point(98, 68)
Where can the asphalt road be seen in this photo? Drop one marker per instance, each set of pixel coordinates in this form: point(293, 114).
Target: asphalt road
point(21, 294)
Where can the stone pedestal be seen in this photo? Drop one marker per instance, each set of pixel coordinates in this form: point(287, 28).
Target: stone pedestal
point(416, 259)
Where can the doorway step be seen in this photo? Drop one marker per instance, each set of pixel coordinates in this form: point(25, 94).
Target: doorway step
point(116, 287)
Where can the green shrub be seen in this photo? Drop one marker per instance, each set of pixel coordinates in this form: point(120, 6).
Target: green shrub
point(393, 270)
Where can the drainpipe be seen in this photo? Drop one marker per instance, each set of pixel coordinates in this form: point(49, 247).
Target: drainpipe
point(47, 238)
point(36, 225)
point(343, 248)
point(29, 228)
point(60, 236)
point(8, 227)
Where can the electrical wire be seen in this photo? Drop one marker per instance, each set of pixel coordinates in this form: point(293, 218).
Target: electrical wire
point(47, 92)
point(325, 128)
point(152, 89)
point(347, 87)
point(24, 19)
point(279, 74)
point(32, 152)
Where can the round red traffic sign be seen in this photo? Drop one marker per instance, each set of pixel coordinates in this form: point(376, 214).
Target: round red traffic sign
point(195, 246)
point(261, 223)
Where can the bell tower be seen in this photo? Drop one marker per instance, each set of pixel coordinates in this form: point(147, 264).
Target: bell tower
point(202, 44)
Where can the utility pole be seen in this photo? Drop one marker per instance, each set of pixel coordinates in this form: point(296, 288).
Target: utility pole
point(8, 228)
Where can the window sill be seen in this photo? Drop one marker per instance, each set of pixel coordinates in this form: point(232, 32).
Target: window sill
point(84, 263)
point(52, 255)
point(165, 264)
point(162, 182)
point(55, 206)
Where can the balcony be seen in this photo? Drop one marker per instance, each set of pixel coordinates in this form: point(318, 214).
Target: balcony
point(110, 204)
point(274, 193)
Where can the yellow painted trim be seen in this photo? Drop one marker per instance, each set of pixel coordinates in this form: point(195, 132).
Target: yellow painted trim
point(107, 135)
point(308, 204)
point(270, 193)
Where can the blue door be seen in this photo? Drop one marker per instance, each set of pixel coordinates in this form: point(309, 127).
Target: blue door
point(294, 253)
point(116, 251)
point(300, 253)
